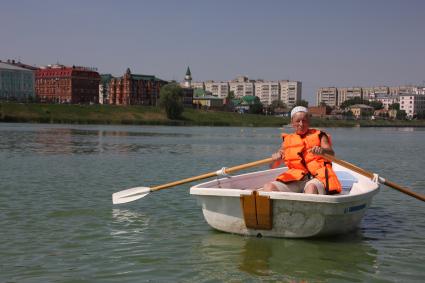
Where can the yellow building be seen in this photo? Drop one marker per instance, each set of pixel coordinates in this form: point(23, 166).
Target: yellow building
point(204, 99)
point(361, 110)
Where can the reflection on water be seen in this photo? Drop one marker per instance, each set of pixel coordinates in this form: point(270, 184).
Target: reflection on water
point(406, 129)
point(78, 141)
point(128, 222)
point(343, 258)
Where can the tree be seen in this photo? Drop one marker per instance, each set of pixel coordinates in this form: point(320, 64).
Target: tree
point(229, 101)
point(328, 108)
point(394, 106)
point(301, 102)
point(420, 115)
point(171, 99)
point(348, 114)
point(401, 115)
point(277, 104)
point(377, 105)
point(353, 101)
point(256, 107)
point(231, 95)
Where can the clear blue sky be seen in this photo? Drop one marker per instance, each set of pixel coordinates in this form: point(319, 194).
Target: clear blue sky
point(321, 43)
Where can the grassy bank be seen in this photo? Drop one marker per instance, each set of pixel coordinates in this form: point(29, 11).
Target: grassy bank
point(147, 115)
point(130, 115)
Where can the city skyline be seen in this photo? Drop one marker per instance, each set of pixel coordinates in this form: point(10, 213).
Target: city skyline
point(320, 43)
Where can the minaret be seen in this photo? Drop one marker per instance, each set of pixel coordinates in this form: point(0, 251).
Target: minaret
point(188, 78)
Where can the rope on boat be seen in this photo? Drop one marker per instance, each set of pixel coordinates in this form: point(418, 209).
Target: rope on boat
point(222, 172)
point(375, 178)
point(378, 179)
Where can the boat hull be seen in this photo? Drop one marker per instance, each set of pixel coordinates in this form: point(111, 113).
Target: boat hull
point(293, 215)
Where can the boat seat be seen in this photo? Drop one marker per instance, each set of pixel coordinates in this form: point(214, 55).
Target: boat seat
point(347, 180)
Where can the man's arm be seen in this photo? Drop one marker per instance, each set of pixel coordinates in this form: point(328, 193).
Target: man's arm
point(325, 146)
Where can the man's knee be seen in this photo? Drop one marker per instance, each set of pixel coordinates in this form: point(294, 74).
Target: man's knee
point(311, 189)
point(269, 187)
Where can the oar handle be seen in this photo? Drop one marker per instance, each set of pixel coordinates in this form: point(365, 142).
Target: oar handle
point(404, 190)
point(348, 165)
point(248, 165)
point(184, 181)
point(370, 175)
point(212, 174)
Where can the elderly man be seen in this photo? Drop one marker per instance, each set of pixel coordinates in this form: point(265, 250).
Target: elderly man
point(308, 172)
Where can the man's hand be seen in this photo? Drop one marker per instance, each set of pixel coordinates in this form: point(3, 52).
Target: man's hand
point(317, 150)
point(277, 156)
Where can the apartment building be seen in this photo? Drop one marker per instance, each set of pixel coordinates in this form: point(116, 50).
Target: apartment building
point(287, 91)
point(386, 95)
point(394, 90)
point(420, 90)
point(62, 84)
point(379, 91)
point(199, 85)
point(16, 83)
point(328, 95)
point(267, 91)
point(219, 89)
point(407, 89)
point(345, 93)
point(366, 93)
point(241, 86)
point(387, 100)
point(412, 104)
point(290, 92)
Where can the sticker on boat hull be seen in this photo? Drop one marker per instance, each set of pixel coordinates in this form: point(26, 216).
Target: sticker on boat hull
point(355, 208)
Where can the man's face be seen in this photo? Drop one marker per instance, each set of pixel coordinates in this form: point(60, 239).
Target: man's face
point(300, 122)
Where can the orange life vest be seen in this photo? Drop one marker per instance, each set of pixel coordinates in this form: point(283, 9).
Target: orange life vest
point(301, 162)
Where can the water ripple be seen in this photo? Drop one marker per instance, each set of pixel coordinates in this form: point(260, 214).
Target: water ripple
point(58, 223)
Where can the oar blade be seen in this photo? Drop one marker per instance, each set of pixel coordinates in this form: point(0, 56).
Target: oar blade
point(130, 195)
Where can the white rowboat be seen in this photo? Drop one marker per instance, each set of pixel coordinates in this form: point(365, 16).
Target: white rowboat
point(237, 205)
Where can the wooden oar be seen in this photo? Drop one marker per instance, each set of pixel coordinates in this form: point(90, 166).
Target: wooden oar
point(370, 175)
point(139, 192)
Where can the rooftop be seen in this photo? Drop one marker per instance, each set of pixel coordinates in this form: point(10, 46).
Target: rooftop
point(6, 66)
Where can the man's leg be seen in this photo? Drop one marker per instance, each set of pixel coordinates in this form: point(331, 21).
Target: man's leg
point(293, 187)
point(314, 186)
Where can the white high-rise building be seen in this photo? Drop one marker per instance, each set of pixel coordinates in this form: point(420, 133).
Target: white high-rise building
point(379, 91)
point(387, 100)
point(420, 90)
point(198, 85)
point(290, 92)
point(241, 86)
point(412, 104)
point(345, 93)
point(219, 89)
point(328, 95)
point(267, 91)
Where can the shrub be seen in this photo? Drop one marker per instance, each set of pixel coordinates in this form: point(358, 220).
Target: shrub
point(171, 99)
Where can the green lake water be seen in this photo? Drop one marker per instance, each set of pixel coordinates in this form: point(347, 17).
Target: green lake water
point(57, 222)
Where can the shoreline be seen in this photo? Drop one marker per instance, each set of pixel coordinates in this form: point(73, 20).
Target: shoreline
point(150, 115)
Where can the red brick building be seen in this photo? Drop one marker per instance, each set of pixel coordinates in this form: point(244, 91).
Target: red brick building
point(132, 89)
point(317, 111)
point(61, 84)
